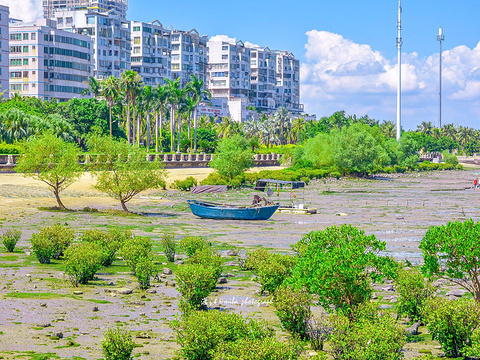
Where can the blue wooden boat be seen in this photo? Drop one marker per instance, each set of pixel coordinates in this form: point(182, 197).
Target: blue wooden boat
point(230, 212)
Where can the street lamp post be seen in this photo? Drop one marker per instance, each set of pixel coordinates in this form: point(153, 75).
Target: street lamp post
point(440, 38)
point(399, 85)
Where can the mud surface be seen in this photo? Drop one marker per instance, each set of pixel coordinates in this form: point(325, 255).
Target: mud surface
point(37, 302)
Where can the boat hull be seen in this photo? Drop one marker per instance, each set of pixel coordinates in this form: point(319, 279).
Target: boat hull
point(214, 211)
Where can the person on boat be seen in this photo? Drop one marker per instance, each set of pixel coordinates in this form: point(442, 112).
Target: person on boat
point(256, 200)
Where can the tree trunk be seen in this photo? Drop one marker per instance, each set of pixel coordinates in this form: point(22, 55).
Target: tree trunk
point(128, 123)
point(124, 206)
point(148, 131)
point(161, 132)
point(59, 202)
point(179, 121)
point(195, 129)
point(111, 130)
point(156, 131)
point(172, 129)
point(138, 129)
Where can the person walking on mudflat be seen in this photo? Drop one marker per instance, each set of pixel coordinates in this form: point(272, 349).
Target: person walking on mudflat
point(475, 184)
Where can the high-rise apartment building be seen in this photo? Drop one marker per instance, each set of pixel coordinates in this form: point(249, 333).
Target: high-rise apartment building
point(263, 79)
point(48, 63)
point(151, 47)
point(189, 55)
point(52, 6)
point(228, 69)
point(110, 34)
point(4, 50)
point(288, 82)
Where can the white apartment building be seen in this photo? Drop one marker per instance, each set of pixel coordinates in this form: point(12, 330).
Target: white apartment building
point(110, 34)
point(228, 69)
point(4, 50)
point(151, 49)
point(288, 82)
point(51, 6)
point(189, 55)
point(263, 79)
point(48, 63)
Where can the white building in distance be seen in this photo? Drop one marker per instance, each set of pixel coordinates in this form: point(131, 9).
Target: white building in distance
point(110, 34)
point(263, 79)
point(189, 55)
point(48, 63)
point(151, 52)
point(52, 6)
point(4, 50)
point(288, 82)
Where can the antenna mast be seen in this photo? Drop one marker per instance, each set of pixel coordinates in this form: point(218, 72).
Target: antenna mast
point(399, 85)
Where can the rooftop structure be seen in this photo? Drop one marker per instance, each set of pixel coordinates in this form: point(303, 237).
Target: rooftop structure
point(52, 6)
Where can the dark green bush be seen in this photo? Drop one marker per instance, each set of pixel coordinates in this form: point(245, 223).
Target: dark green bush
point(117, 344)
point(195, 282)
point(59, 238)
point(82, 261)
point(258, 349)
point(10, 149)
point(293, 309)
point(43, 248)
point(190, 244)
point(370, 336)
point(169, 246)
point(135, 249)
point(109, 241)
point(412, 291)
point(185, 185)
point(144, 270)
point(10, 239)
point(199, 333)
point(208, 257)
point(452, 323)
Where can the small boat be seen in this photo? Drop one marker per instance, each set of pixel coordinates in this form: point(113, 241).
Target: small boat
point(230, 212)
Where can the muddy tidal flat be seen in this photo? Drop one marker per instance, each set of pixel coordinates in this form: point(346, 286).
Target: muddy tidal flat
point(41, 313)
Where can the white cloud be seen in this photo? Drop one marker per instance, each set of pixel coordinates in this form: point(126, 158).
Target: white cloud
point(26, 10)
point(342, 75)
point(233, 40)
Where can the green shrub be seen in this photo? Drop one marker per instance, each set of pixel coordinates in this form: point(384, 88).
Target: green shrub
point(474, 349)
point(134, 249)
point(109, 241)
point(232, 157)
point(370, 336)
point(450, 159)
point(452, 323)
point(214, 178)
point(412, 291)
point(293, 309)
point(10, 239)
point(54, 239)
point(10, 149)
point(199, 333)
point(195, 282)
point(144, 270)
point(82, 261)
point(190, 244)
point(169, 246)
point(117, 344)
point(258, 349)
point(185, 185)
point(208, 258)
point(273, 271)
point(255, 258)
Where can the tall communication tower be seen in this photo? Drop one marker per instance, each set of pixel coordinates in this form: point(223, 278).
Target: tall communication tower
point(440, 38)
point(399, 85)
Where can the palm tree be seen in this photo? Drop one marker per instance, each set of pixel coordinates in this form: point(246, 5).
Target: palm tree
point(425, 128)
point(175, 95)
point(298, 125)
point(387, 127)
point(160, 97)
point(190, 106)
point(196, 87)
point(147, 97)
point(228, 127)
point(131, 83)
point(110, 90)
point(93, 87)
point(16, 125)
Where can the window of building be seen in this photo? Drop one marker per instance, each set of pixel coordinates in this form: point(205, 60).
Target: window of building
point(25, 87)
point(136, 40)
point(90, 20)
point(15, 74)
point(136, 28)
point(15, 62)
point(59, 21)
point(25, 36)
point(224, 57)
point(25, 61)
point(69, 20)
point(25, 74)
point(15, 49)
point(15, 37)
point(25, 49)
point(225, 47)
point(16, 87)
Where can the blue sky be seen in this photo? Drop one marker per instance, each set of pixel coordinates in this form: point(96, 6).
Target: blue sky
point(347, 49)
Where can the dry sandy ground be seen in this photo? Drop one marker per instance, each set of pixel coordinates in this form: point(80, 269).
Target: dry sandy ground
point(398, 210)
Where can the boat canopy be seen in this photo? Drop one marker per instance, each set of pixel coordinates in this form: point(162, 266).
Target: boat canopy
point(262, 184)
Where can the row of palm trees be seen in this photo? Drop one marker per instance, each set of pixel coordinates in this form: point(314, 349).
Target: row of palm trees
point(140, 102)
point(460, 134)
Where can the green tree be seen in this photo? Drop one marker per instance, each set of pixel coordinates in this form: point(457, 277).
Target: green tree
point(94, 87)
point(131, 83)
point(196, 87)
point(122, 171)
point(233, 157)
point(51, 160)
point(339, 264)
point(452, 251)
point(110, 91)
